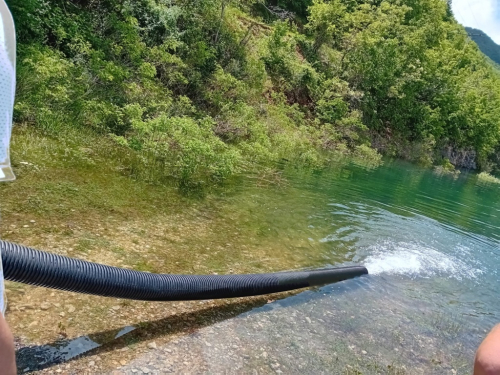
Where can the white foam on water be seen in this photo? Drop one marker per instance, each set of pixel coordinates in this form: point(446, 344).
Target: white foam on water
point(414, 259)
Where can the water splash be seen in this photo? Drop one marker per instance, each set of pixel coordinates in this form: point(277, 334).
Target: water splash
point(413, 259)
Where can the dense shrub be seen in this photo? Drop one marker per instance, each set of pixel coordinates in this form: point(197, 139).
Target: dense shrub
point(201, 90)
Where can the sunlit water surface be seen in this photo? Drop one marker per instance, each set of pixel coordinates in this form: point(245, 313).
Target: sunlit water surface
point(430, 243)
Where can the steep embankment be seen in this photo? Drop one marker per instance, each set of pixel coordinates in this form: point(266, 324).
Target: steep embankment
point(194, 92)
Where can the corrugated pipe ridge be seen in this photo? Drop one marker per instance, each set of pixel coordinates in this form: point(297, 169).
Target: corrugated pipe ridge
point(30, 266)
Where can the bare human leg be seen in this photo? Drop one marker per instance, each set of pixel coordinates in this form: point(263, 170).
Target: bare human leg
point(7, 352)
point(487, 360)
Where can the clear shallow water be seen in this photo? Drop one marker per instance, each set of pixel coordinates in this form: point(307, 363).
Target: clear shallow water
point(432, 247)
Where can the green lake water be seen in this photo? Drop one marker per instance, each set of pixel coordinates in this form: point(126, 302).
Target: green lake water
point(431, 245)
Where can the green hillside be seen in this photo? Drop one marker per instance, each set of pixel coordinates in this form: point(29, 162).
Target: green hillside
point(194, 92)
point(485, 44)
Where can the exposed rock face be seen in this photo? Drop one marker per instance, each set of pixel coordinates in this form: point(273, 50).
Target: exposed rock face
point(462, 158)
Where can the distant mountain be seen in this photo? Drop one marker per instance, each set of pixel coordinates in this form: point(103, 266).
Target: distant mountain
point(485, 44)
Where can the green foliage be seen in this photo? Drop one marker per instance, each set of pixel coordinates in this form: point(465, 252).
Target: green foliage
point(184, 149)
point(366, 157)
point(200, 90)
point(446, 168)
point(447, 165)
point(417, 72)
point(327, 22)
point(288, 69)
point(486, 178)
point(298, 7)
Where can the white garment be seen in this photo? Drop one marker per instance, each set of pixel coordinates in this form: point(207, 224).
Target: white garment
point(7, 91)
point(7, 87)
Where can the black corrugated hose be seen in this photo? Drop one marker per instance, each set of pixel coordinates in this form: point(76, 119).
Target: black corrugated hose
point(29, 266)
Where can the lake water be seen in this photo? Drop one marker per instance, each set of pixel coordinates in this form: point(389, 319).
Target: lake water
point(431, 245)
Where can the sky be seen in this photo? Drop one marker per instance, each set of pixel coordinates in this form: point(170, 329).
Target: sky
point(479, 14)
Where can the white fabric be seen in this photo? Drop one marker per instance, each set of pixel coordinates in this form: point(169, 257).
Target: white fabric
point(7, 91)
point(7, 87)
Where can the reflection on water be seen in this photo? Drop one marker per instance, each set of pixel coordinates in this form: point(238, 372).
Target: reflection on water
point(431, 246)
point(430, 243)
